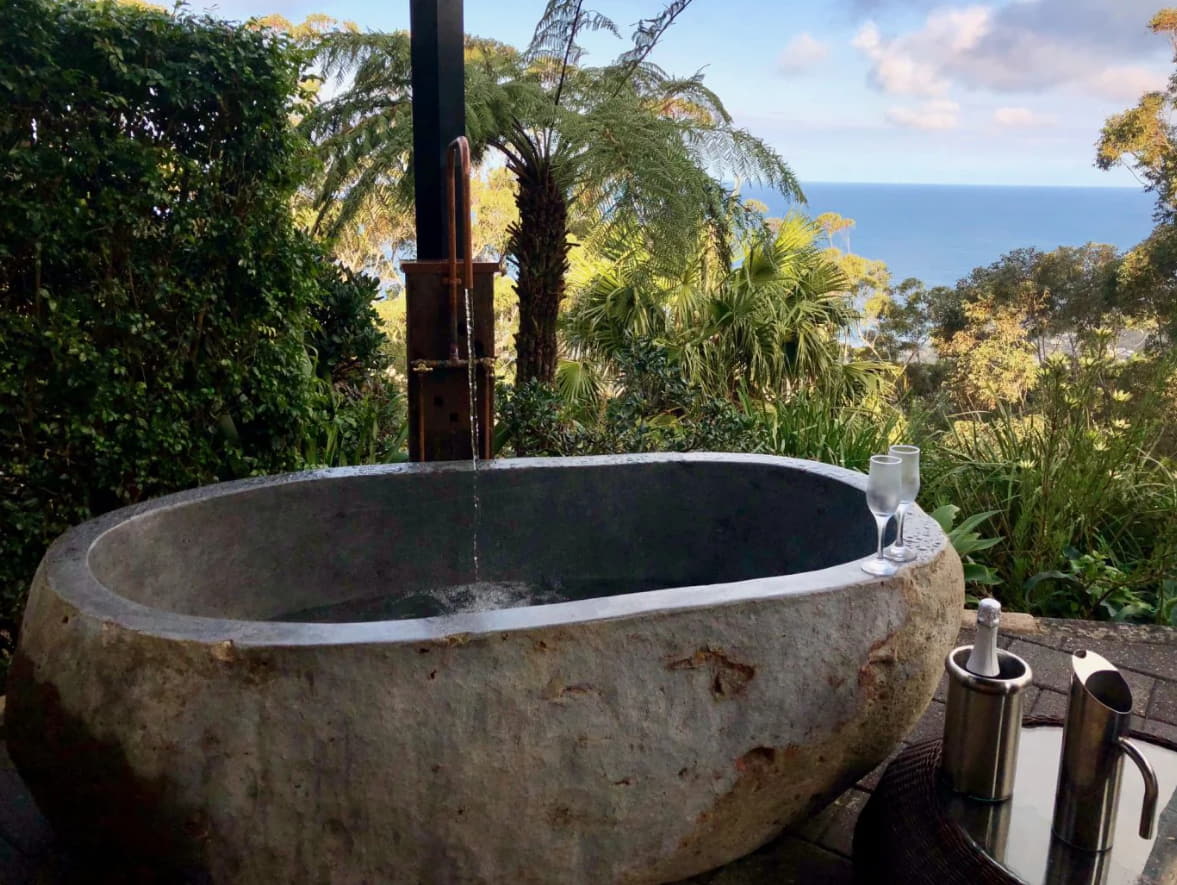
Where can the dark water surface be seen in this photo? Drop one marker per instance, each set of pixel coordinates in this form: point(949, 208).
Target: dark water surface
point(483, 596)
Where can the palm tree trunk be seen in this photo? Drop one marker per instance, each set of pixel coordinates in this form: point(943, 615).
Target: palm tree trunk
point(539, 245)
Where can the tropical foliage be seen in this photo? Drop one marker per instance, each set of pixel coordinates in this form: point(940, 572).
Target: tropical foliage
point(624, 144)
point(1078, 471)
point(163, 322)
point(765, 325)
point(1143, 139)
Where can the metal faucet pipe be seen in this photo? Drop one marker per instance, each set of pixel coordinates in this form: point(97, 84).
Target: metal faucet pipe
point(459, 148)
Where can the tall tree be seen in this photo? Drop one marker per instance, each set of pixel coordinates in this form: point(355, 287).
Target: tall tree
point(903, 331)
point(1144, 140)
point(614, 144)
point(832, 224)
point(992, 360)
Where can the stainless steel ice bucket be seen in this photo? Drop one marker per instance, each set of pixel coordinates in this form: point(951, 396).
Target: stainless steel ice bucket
point(982, 724)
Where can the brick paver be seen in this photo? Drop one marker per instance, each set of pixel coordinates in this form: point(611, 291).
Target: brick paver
point(1164, 703)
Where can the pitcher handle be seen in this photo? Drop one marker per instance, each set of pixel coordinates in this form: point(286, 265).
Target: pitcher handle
point(1148, 810)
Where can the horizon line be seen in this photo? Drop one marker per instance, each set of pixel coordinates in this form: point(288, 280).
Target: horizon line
point(1106, 187)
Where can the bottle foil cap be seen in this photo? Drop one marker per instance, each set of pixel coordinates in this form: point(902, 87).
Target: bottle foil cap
point(989, 613)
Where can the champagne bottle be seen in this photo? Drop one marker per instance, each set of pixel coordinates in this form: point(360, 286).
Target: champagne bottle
point(983, 659)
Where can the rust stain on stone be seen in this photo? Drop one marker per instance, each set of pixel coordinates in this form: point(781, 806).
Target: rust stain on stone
point(729, 677)
point(766, 789)
point(258, 667)
point(579, 688)
point(757, 758)
point(882, 651)
point(557, 692)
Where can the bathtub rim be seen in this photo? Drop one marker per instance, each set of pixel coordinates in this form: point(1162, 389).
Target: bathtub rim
point(65, 571)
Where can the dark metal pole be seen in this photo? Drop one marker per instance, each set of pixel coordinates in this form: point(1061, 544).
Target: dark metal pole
point(442, 398)
point(439, 116)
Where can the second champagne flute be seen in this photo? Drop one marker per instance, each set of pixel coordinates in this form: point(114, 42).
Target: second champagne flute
point(909, 489)
point(882, 497)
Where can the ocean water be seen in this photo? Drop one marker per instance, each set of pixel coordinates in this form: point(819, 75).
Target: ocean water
point(938, 233)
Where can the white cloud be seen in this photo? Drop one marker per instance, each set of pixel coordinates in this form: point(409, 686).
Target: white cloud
point(801, 53)
point(954, 30)
point(1021, 118)
point(1125, 82)
point(935, 114)
point(868, 38)
point(914, 63)
point(1020, 47)
point(896, 70)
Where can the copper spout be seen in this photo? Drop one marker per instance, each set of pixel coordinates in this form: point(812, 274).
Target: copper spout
point(461, 147)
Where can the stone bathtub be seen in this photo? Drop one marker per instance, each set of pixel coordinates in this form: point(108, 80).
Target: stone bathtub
point(667, 660)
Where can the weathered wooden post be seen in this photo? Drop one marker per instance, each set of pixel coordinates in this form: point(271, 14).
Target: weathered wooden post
point(439, 354)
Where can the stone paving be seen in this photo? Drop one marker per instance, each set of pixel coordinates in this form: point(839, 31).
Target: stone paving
point(819, 852)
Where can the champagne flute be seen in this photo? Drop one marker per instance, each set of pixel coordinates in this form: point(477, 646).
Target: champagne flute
point(909, 489)
point(882, 497)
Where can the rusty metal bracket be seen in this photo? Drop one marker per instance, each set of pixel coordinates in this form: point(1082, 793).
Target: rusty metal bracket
point(429, 365)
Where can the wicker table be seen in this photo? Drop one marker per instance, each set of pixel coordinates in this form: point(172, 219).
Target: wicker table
point(914, 831)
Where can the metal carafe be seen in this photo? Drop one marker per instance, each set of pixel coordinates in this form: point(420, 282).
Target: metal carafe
point(1067, 865)
point(1092, 757)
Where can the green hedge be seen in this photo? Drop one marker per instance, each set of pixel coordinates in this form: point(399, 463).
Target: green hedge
point(155, 295)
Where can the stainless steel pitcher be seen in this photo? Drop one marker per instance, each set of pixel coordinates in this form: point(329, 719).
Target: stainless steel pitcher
point(1067, 865)
point(1093, 751)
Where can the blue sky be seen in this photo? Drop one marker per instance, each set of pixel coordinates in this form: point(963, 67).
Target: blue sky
point(1002, 92)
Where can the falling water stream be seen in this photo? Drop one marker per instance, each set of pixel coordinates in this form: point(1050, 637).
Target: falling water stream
point(472, 380)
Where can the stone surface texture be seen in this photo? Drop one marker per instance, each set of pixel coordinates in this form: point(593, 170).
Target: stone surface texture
point(160, 710)
point(815, 852)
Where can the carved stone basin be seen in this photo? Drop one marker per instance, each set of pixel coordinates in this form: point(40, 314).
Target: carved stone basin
point(663, 661)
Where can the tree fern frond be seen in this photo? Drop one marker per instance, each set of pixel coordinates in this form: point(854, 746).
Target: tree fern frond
point(339, 53)
point(645, 38)
point(555, 39)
